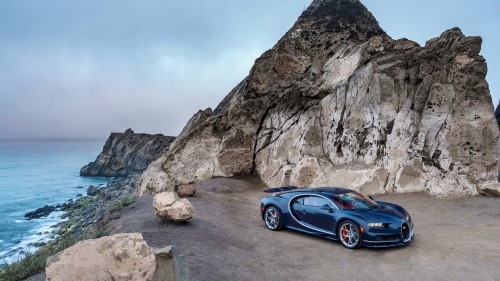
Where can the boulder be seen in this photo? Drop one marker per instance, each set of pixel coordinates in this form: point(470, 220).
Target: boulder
point(336, 96)
point(490, 189)
point(119, 257)
point(169, 206)
point(92, 190)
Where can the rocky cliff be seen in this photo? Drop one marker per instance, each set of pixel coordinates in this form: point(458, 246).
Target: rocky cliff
point(337, 102)
point(126, 153)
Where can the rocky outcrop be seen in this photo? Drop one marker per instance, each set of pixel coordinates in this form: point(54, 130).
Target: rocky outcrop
point(92, 190)
point(126, 153)
point(336, 102)
point(40, 212)
point(117, 257)
point(168, 206)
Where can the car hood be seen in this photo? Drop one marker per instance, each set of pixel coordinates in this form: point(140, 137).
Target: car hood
point(386, 211)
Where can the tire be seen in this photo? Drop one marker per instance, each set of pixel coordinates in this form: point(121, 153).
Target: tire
point(350, 235)
point(272, 218)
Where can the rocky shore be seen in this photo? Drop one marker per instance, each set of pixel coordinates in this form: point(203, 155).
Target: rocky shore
point(89, 214)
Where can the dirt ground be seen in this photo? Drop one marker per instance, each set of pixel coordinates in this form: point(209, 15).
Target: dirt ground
point(227, 240)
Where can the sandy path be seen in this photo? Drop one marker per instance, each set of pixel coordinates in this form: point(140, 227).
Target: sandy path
point(227, 240)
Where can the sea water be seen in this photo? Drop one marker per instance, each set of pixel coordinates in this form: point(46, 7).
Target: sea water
point(35, 173)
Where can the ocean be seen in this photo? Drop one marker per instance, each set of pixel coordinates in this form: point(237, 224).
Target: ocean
point(35, 173)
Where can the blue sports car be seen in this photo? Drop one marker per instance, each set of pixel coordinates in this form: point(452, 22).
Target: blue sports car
point(338, 214)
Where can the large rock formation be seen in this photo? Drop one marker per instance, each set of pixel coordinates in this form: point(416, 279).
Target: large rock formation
point(118, 257)
point(336, 102)
point(126, 153)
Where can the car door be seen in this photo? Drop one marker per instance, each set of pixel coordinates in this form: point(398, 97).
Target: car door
point(297, 208)
point(319, 213)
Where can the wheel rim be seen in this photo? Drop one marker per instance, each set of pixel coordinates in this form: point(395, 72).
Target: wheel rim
point(272, 218)
point(349, 234)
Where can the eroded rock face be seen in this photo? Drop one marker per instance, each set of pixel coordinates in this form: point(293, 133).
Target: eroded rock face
point(338, 103)
point(117, 257)
point(126, 153)
point(169, 206)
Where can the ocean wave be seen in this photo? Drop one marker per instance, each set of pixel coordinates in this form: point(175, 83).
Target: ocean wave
point(41, 234)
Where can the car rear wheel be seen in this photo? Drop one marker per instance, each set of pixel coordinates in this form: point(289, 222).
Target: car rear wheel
point(272, 217)
point(350, 235)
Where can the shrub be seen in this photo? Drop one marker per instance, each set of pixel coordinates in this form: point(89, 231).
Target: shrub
point(127, 200)
point(119, 204)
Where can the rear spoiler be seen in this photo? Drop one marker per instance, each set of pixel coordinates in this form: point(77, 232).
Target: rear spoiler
point(280, 189)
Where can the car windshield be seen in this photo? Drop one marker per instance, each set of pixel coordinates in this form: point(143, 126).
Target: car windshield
point(355, 201)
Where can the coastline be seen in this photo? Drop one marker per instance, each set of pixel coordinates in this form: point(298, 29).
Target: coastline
point(80, 216)
point(51, 222)
point(37, 174)
point(85, 218)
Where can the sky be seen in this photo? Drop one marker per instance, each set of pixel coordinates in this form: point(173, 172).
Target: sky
point(74, 69)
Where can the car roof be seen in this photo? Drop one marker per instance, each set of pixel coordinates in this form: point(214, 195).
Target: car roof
point(326, 190)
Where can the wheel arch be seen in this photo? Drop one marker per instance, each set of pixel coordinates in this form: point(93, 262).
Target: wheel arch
point(340, 221)
point(270, 204)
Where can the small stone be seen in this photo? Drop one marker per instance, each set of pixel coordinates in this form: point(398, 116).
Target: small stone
point(185, 189)
point(490, 189)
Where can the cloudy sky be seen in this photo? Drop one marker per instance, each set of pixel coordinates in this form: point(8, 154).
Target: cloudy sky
point(86, 68)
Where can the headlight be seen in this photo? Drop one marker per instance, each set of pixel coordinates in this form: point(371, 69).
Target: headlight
point(375, 224)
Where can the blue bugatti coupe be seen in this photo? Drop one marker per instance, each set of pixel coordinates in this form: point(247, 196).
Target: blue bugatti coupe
point(338, 214)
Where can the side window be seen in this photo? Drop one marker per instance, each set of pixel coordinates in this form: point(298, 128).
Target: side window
point(299, 200)
point(322, 201)
point(309, 200)
point(316, 201)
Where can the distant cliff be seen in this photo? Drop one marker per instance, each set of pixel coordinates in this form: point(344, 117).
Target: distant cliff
point(127, 153)
point(336, 102)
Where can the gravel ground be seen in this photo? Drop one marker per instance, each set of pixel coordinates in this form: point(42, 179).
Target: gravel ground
point(456, 239)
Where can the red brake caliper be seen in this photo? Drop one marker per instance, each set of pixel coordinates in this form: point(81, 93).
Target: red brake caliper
point(344, 234)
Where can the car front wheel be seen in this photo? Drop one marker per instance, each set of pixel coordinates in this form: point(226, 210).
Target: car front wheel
point(349, 235)
point(272, 217)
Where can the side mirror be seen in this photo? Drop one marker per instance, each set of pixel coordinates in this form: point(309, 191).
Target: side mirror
point(371, 197)
point(327, 208)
